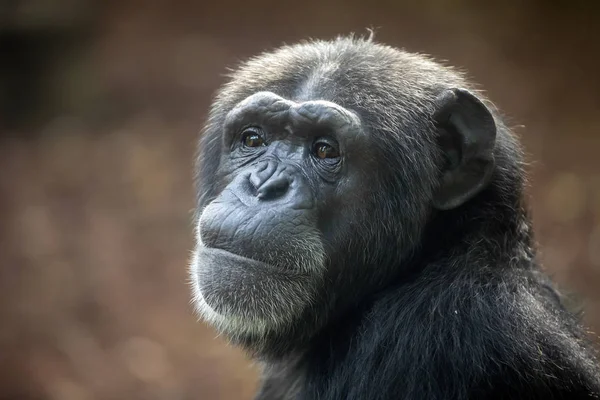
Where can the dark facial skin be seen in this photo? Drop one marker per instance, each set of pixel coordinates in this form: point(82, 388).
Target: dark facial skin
point(362, 231)
point(285, 165)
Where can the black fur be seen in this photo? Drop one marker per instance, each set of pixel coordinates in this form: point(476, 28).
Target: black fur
point(419, 300)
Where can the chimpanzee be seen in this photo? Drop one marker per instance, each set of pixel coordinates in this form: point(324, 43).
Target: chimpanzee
point(362, 233)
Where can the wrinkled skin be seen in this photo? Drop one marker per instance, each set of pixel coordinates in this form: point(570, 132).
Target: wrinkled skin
point(269, 219)
point(361, 230)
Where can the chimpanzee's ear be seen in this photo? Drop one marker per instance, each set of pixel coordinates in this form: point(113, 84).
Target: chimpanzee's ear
point(467, 136)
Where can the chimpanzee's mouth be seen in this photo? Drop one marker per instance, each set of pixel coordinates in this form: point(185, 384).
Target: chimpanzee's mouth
point(216, 254)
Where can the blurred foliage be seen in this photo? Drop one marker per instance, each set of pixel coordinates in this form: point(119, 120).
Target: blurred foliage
point(100, 105)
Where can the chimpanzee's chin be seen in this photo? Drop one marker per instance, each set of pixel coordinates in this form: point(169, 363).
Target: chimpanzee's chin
point(241, 288)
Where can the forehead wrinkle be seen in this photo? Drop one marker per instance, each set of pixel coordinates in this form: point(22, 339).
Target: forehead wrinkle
point(260, 107)
point(325, 114)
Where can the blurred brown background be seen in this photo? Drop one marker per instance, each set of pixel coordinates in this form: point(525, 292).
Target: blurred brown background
point(100, 104)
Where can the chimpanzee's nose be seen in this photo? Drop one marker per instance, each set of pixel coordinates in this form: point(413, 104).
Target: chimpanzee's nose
point(271, 180)
point(274, 188)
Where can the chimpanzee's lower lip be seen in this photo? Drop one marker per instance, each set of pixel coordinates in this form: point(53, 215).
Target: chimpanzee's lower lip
point(215, 251)
point(229, 254)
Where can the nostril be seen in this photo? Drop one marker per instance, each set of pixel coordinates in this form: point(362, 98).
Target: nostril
point(273, 189)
